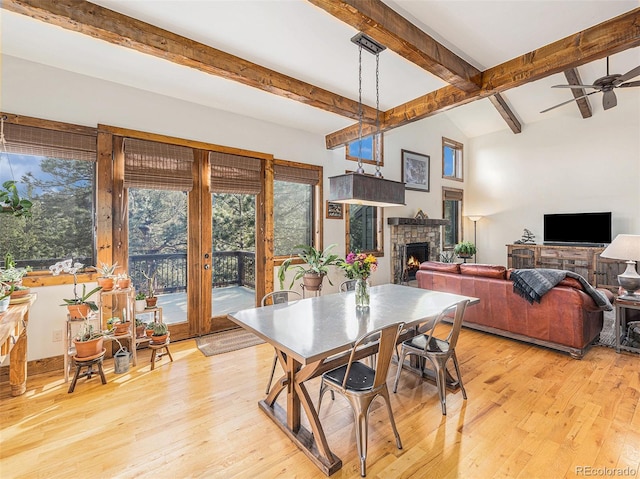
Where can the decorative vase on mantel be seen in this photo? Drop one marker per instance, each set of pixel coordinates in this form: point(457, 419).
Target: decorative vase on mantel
point(363, 294)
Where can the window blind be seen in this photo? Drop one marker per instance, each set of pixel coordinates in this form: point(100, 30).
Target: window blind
point(33, 141)
point(452, 195)
point(296, 175)
point(235, 173)
point(155, 165)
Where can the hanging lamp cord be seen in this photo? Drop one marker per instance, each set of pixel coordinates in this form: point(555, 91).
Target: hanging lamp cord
point(377, 137)
point(360, 169)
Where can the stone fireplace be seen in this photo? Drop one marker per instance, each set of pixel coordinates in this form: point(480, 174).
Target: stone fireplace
point(408, 231)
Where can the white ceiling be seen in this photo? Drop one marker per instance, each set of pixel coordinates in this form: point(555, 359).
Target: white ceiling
point(298, 39)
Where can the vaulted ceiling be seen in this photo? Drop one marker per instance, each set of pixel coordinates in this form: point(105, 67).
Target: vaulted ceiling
point(291, 62)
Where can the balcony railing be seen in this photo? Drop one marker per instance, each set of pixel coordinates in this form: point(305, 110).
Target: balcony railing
point(228, 267)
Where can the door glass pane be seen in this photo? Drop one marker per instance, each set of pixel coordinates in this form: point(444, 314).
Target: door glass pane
point(451, 214)
point(158, 248)
point(292, 216)
point(234, 257)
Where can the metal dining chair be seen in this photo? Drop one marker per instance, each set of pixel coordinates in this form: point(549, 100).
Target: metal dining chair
point(438, 351)
point(277, 297)
point(361, 384)
point(348, 285)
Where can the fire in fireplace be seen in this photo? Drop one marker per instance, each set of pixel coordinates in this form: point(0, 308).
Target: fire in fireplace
point(416, 253)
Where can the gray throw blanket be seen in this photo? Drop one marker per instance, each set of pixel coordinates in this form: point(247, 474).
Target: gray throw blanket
point(532, 284)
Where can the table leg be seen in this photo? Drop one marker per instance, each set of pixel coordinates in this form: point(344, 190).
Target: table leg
point(619, 317)
point(18, 365)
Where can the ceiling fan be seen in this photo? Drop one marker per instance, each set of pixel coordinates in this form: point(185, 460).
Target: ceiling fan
point(606, 85)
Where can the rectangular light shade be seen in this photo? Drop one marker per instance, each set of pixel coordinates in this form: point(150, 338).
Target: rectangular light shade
point(359, 189)
point(625, 247)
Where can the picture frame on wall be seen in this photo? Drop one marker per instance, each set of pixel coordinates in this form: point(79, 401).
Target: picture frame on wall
point(335, 211)
point(415, 170)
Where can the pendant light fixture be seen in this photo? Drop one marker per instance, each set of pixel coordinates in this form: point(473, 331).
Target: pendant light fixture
point(359, 188)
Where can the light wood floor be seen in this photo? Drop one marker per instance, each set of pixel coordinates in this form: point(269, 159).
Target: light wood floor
point(531, 413)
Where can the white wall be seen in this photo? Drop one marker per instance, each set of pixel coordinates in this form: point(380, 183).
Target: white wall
point(561, 165)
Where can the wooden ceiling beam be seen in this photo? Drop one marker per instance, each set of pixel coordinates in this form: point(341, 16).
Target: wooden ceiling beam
point(607, 38)
point(395, 32)
point(573, 77)
point(113, 27)
point(505, 112)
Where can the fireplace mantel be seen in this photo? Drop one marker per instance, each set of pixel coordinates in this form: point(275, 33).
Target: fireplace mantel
point(416, 221)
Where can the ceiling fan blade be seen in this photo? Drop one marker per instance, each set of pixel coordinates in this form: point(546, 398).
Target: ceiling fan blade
point(631, 83)
point(568, 101)
point(575, 86)
point(628, 76)
point(609, 99)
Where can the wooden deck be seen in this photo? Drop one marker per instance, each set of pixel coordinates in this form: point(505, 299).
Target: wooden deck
point(224, 300)
point(531, 413)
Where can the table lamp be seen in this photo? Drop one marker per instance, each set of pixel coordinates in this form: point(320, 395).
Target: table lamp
point(626, 247)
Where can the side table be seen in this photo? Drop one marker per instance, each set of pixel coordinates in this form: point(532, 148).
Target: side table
point(622, 305)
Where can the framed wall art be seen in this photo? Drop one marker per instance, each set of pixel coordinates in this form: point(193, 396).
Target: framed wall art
point(415, 170)
point(335, 211)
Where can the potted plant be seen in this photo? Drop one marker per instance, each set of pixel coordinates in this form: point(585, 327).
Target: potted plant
point(151, 298)
point(118, 326)
point(149, 329)
point(79, 306)
point(140, 302)
point(160, 333)
point(140, 327)
point(88, 343)
point(107, 276)
point(465, 249)
point(5, 296)
point(315, 268)
point(123, 281)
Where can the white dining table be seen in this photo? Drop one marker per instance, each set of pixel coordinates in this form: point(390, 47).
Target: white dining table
point(309, 336)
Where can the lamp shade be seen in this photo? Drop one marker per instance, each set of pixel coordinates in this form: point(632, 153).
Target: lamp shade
point(360, 189)
point(475, 218)
point(624, 247)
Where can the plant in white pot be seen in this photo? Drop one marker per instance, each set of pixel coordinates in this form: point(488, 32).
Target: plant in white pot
point(5, 296)
point(315, 267)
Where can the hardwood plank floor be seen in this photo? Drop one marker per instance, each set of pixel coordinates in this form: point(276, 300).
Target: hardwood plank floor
point(531, 413)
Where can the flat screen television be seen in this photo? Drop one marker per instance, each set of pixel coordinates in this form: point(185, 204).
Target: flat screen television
point(578, 228)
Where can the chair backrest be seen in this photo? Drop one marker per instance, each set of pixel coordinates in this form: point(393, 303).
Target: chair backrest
point(457, 311)
point(348, 285)
point(386, 338)
point(279, 297)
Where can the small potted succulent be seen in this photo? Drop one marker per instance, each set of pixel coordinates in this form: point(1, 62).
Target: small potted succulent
point(123, 281)
point(118, 326)
point(140, 302)
point(88, 343)
point(160, 333)
point(151, 298)
point(107, 275)
point(140, 327)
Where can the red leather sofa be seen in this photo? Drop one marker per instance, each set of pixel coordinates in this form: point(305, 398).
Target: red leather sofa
point(566, 319)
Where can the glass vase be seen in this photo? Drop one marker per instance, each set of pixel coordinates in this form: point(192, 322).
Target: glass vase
point(362, 294)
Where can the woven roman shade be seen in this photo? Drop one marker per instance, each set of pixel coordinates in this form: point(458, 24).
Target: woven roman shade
point(451, 195)
point(158, 166)
point(29, 140)
point(235, 173)
point(296, 175)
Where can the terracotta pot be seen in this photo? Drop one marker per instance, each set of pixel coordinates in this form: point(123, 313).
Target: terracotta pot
point(121, 328)
point(149, 332)
point(159, 339)
point(151, 302)
point(78, 311)
point(19, 293)
point(124, 283)
point(139, 331)
point(312, 281)
point(106, 283)
point(86, 349)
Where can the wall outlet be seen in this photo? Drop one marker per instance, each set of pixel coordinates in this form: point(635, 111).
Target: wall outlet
point(57, 335)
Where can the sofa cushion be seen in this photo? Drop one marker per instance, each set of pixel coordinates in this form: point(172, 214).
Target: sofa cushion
point(484, 270)
point(442, 267)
